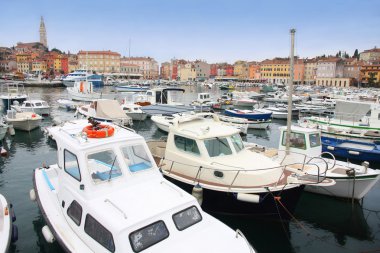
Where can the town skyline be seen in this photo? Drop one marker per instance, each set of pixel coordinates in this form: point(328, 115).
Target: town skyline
point(233, 39)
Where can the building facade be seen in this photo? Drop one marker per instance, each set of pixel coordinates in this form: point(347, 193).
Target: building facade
point(241, 70)
point(335, 81)
point(99, 61)
point(310, 71)
point(370, 55)
point(43, 35)
point(187, 72)
point(331, 67)
point(370, 74)
point(202, 70)
point(148, 66)
point(165, 70)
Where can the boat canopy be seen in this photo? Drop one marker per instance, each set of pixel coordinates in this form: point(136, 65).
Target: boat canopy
point(108, 109)
point(349, 110)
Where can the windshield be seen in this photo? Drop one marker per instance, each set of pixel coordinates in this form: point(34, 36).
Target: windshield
point(136, 158)
point(237, 142)
point(103, 166)
point(218, 147)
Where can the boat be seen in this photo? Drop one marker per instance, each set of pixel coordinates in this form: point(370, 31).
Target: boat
point(83, 91)
point(3, 129)
point(39, 107)
point(252, 124)
point(25, 121)
point(351, 149)
point(256, 114)
point(280, 97)
point(105, 110)
point(163, 122)
point(67, 104)
point(281, 112)
point(83, 75)
point(131, 88)
point(134, 111)
point(352, 181)
point(12, 92)
point(206, 155)
point(107, 195)
point(226, 87)
point(8, 230)
point(203, 102)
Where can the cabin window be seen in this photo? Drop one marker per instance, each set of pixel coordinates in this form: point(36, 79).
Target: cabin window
point(297, 140)
point(99, 233)
point(103, 166)
point(74, 211)
point(186, 218)
point(148, 236)
point(237, 142)
point(27, 105)
point(186, 144)
point(315, 140)
point(38, 104)
point(136, 158)
point(218, 147)
point(71, 165)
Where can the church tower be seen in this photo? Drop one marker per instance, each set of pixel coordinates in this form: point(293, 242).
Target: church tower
point(43, 38)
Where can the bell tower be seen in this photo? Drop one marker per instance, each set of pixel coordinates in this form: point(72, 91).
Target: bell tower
point(43, 37)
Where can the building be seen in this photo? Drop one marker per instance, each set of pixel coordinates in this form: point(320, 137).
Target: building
point(24, 67)
point(331, 67)
point(148, 66)
point(335, 81)
point(165, 70)
point(39, 66)
point(43, 36)
point(8, 65)
point(370, 74)
point(72, 62)
point(370, 54)
point(241, 70)
point(351, 68)
point(310, 71)
point(132, 71)
point(254, 71)
point(213, 70)
point(36, 47)
point(278, 70)
point(187, 72)
point(202, 70)
point(99, 61)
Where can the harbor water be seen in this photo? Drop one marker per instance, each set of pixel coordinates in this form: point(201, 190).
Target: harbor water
point(320, 223)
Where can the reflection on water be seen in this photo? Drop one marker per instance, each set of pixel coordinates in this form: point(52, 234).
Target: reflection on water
point(43, 246)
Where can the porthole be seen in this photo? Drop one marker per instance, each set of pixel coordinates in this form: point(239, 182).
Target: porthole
point(218, 174)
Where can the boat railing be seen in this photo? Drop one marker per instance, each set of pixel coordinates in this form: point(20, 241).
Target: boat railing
point(293, 168)
point(342, 118)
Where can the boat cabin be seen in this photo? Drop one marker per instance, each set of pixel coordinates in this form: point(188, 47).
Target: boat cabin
point(170, 96)
point(302, 141)
point(203, 97)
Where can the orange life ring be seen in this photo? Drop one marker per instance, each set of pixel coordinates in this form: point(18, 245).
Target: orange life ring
point(81, 86)
point(102, 131)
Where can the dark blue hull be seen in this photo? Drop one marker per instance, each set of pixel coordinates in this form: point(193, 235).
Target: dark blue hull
point(226, 203)
point(250, 116)
point(355, 150)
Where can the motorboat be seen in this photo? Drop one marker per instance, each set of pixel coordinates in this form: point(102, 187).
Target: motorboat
point(281, 112)
point(131, 88)
point(40, 107)
point(105, 110)
point(256, 114)
point(163, 122)
point(11, 92)
point(8, 230)
point(352, 181)
point(203, 102)
point(134, 111)
point(280, 97)
point(252, 124)
point(83, 91)
point(106, 194)
point(83, 75)
point(25, 121)
point(206, 155)
point(67, 104)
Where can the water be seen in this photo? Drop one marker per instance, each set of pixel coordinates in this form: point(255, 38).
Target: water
point(321, 223)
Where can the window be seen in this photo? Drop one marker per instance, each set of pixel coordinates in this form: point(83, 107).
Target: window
point(74, 211)
point(99, 233)
point(71, 165)
point(315, 140)
point(103, 166)
point(186, 144)
point(186, 218)
point(136, 158)
point(237, 142)
point(148, 236)
point(297, 140)
point(218, 147)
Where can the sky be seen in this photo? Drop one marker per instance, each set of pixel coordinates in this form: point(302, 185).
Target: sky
point(211, 30)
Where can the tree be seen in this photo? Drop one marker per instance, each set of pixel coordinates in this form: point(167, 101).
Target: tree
point(356, 54)
point(371, 78)
point(56, 50)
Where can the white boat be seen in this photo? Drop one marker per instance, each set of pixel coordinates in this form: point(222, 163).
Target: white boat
point(25, 121)
point(11, 92)
point(40, 107)
point(131, 88)
point(352, 180)
point(83, 91)
point(134, 111)
point(203, 102)
point(163, 122)
point(67, 104)
point(279, 97)
point(8, 231)
point(82, 75)
point(107, 195)
point(105, 110)
point(252, 124)
point(235, 180)
point(3, 129)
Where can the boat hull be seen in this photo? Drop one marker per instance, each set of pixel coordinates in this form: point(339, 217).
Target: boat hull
point(3, 131)
point(137, 116)
point(25, 125)
point(250, 116)
point(226, 203)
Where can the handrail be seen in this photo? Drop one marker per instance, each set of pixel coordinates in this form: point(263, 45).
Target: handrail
point(117, 208)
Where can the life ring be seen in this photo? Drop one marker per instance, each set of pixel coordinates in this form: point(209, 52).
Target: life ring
point(101, 131)
point(81, 88)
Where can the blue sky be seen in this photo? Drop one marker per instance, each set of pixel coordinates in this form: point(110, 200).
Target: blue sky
point(213, 30)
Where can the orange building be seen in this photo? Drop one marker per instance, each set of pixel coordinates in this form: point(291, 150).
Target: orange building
point(254, 70)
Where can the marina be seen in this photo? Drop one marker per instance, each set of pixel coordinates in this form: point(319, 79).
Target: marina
point(340, 226)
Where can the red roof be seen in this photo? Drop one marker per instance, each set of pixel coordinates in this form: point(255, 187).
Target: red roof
point(98, 52)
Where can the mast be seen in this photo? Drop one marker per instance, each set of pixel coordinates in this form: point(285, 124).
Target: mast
point(290, 90)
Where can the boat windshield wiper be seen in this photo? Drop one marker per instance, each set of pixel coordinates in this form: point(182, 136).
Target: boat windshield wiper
point(222, 142)
point(110, 174)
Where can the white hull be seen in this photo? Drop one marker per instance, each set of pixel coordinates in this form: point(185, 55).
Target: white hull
point(39, 111)
point(263, 125)
point(87, 97)
point(25, 124)
point(5, 226)
point(68, 83)
point(137, 116)
point(279, 115)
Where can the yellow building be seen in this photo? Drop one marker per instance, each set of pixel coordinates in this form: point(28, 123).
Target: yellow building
point(278, 70)
point(99, 61)
point(24, 67)
point(241, 70)
point(23, 57)
point(57, 63)
point(370, 74)
point(186, 72)
point(39, 66)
